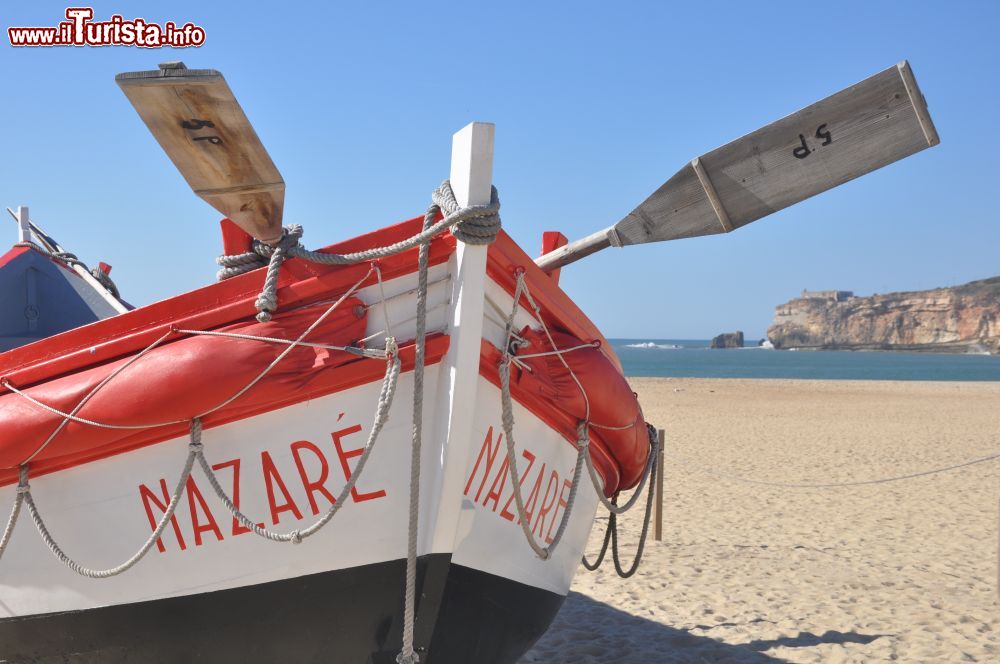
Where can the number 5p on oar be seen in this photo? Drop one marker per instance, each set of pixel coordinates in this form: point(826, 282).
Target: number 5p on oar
point(855, 131)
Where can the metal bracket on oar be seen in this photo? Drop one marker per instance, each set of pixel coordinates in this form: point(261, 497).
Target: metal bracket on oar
point(853, 132)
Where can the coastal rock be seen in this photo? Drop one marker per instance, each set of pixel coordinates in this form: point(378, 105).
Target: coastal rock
point(960, 319)
point(728, 340)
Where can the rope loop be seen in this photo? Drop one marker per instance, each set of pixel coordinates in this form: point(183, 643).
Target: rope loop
point(475, 224)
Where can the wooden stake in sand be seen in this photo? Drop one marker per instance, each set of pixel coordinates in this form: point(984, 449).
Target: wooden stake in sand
point(658, 505)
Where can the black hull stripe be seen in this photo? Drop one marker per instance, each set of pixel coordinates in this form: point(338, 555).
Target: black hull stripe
point(351, 616)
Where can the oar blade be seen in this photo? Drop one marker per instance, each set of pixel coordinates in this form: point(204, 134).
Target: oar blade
point(853, 132)
point(197, 121)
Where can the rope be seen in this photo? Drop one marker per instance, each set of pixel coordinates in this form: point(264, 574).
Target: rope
point(583, 432)
point(833, 485)
point(386, 395)
point(71, 416)
point(24, 492)
point(611, 532)
point(406, 654)
point(522, 288)
point(472, 225)
point(476, 224)
point(70, 260)
point(353, 350)
point(92, 392)
point(11, 520)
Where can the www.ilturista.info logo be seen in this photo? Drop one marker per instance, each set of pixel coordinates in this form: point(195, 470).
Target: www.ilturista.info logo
point(81, 30)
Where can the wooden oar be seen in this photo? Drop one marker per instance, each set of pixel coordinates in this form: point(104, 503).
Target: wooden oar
point(200, 125)
point(856, 131)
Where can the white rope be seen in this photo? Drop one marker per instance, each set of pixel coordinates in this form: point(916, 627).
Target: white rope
point(595, 478)
point(24, 491)
point(473, 225)
point(558, 351)
point(11, 521)
point(507, 420)
point(834, 485)
point(373, 353)
point(386, 395)
point(105, 425)
point(407, 655)
point(195, 451)
point(94, 391)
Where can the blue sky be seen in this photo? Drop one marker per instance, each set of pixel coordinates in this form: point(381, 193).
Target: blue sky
point(596, 104)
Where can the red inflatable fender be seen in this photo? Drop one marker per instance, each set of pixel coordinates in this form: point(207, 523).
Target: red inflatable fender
point(176, 381)
point(615, 415)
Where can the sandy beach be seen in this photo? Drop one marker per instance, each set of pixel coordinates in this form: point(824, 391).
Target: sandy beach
point(901, 571)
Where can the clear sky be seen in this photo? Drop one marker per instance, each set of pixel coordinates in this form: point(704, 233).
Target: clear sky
point(596, 104)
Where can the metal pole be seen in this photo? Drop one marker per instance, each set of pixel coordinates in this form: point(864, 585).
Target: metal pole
point(658, 505)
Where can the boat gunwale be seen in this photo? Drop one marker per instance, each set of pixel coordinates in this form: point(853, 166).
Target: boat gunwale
point(209, 307)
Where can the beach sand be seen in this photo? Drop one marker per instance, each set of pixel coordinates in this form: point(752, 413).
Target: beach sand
point(903, 571)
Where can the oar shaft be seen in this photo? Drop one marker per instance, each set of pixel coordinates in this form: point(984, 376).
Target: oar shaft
point(575, 250)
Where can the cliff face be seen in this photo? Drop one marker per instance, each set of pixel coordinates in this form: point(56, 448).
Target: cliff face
point(728, 340)
point(960, 319)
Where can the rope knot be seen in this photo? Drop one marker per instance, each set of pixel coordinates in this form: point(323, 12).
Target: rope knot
point(267, 301)
point(22, 481)
point(195, 445)
point(391, 347)
point(475, 224)
point(582, 435)
point(295, 537)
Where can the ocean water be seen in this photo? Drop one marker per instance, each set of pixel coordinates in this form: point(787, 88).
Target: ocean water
point(694, 359)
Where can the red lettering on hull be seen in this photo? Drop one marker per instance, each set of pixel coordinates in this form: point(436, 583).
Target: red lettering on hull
point(344, 456)
point(536, 514)
point(281, 501)
point(272, 478)
point(149, 497)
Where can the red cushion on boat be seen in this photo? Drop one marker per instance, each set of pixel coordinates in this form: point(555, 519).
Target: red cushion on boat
point(615, 415)
point(175, 381)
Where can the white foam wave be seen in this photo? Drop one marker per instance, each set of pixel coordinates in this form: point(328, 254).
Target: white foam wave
point(653, 344)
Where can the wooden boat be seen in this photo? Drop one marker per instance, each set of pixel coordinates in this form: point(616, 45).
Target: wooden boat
point(220, 424)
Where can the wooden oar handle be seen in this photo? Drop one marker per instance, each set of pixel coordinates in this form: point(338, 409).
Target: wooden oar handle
point(575, 250)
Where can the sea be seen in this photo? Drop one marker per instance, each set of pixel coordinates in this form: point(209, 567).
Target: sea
point(692, 358)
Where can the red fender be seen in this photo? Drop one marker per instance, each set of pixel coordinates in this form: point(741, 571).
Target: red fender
point(159, 387)
point(616, 418)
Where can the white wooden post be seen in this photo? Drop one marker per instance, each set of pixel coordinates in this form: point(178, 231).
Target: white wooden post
point(23, 225)
point(471, 180)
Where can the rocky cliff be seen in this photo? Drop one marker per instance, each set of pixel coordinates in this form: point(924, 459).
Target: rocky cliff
point(728, 340)
point(957, 319)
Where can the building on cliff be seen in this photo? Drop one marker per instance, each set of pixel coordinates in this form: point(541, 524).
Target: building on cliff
point(832, 295)
point(962, 318)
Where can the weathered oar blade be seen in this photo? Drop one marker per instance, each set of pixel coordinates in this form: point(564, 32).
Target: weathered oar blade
point(200, 125)
point(856, 131)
